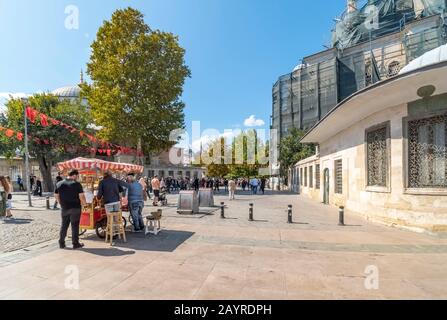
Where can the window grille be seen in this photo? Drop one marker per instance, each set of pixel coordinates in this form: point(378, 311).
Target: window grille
point(377, 157)
point(338, 176)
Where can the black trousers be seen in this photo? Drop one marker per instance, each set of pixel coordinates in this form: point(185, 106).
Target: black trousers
point(73, 217)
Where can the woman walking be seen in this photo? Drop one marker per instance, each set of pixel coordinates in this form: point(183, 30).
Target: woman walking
point(9, 199)
point(4, 191)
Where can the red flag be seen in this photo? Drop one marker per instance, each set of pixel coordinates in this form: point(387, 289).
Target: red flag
point(44, 120)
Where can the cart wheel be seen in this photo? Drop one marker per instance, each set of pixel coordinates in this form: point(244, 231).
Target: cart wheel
point(101, 229)
point(130, 220)
point(82, 232)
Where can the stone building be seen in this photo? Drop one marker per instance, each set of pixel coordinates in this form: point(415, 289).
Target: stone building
point(382, 152)
point(371, 42)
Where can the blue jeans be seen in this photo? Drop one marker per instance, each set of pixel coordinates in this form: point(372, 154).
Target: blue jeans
point(136, 210)
point(255, 189)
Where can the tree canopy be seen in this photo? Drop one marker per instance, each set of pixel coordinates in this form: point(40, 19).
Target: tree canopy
point(138, 76)
point(61, 145)
point(291, 150)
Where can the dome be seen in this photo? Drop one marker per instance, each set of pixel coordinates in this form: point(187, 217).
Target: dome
point(434, 56)
point(68, 92)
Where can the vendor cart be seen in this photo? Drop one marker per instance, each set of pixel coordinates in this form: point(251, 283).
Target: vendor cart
point(93, 215)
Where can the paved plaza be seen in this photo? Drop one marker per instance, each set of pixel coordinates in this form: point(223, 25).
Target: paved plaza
point(206, 257)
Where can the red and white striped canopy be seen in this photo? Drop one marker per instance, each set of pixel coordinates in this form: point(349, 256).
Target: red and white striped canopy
point(101, 165)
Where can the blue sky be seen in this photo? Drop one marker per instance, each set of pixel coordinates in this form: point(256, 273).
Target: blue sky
point(236, 49)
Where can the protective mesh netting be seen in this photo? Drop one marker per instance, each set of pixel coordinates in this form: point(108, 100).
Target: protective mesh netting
point(375, 18)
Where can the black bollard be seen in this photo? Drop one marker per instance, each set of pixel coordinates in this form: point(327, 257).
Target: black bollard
point(250, 213)
point(341, 216)
point(222, 210)
point(48, 203)
point(290, 214)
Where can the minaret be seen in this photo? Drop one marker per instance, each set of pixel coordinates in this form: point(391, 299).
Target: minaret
point(82, 77)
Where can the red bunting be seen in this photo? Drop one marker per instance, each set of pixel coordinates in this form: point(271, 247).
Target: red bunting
point(32, 114)
point(44, 120)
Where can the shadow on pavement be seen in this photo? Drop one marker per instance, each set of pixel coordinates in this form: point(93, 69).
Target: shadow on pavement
point(165, 241)
point(18, 221)
point(108, 252)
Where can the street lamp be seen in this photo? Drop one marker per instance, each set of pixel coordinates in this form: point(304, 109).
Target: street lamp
point(27, 173)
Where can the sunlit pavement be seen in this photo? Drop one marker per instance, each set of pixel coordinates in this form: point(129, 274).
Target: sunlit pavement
point(207, 257)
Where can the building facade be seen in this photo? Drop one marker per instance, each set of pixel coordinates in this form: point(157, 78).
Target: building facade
point(383, 152)
point(364, 50)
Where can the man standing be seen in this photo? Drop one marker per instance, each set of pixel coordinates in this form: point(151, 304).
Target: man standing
point(155, 183)
point(254, 185)
point(20, 183)
point(110, 189)
point(135, 194)
point(58, 179)
point(70, 195)
point(232, 188)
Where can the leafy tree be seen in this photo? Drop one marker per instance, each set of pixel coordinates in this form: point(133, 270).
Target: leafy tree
point(62, 145)
point(238, 159)
point(138, 76)
point(292, 151)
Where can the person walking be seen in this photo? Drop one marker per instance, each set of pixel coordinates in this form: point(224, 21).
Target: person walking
point(135, 195)
point(20, 183)
point(38, 191)
point(263, 182)
point(70, 194)
point(4, 190)
point(58, 179)
point(254, 185)
point(232, 189)
point(143, 184)
point(155, 183)
point(9, 199)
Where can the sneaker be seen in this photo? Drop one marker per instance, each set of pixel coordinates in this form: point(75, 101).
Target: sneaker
point(78, 246)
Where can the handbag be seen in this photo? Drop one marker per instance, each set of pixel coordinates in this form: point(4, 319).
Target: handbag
point(9, 196)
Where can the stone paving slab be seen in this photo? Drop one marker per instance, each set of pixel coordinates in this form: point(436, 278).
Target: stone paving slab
point(212, 258)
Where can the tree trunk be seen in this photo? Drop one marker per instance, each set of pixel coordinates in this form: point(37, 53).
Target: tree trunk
point(45, 171)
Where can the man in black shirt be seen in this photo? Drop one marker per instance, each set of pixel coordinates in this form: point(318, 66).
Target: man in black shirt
point(70, 195)
point(110, 189)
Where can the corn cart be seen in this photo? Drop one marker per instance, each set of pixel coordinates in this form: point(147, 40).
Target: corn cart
point(93, 215)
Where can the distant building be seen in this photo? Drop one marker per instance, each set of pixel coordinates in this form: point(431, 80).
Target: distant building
point(366, 49)
point(71, 93)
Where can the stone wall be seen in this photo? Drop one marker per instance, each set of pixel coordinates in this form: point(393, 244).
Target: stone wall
point(393, 205)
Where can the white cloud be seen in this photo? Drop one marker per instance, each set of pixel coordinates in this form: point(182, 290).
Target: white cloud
point(253, 122)
point(14, 95)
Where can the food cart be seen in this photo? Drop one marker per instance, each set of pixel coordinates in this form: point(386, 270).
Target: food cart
point(93, 215)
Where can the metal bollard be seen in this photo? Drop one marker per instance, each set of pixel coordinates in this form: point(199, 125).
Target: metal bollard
point(250, 213)
point(290, 214)
point(48, 203)
point(222, 210)
point(341, 216)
